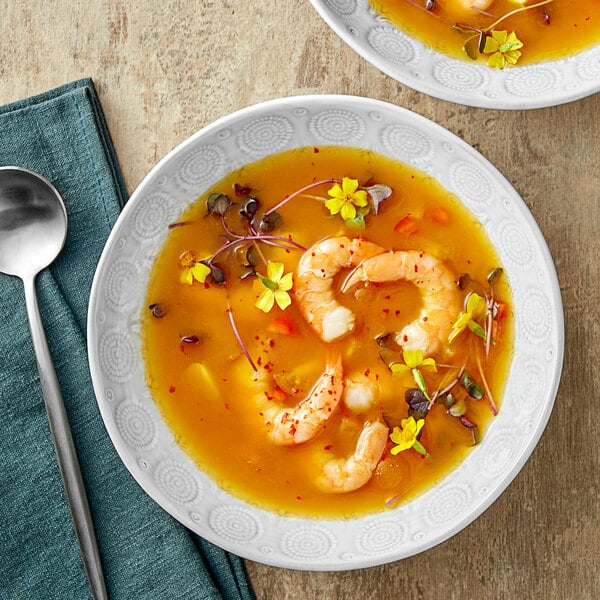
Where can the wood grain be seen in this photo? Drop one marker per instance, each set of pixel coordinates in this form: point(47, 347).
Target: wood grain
point(165, 69)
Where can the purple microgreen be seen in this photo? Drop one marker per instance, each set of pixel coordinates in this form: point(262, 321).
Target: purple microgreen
point(179, 224)
point(383, 340)
point(238, 337)
point(494, 275)
point(471, 386)
point(466, 422)
point(299, 193)
point(270, 222)
point(486, 387)
point(418, 404)
point(458, 408)
point(377, 194)
point(158, 310)
point(217, 274)
point(249, 209)
point(218, 204)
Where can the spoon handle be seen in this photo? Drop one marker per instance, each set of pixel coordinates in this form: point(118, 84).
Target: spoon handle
point(65, 449)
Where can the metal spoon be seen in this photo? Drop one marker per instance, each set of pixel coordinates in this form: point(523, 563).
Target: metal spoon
point(33, 228)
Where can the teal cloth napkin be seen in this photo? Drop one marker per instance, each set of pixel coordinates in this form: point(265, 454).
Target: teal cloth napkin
point(146, 553)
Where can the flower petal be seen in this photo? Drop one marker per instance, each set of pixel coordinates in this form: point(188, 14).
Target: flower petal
point(348, 211)
point(336, 191)
point(286, 282)
point(274, 271)
point(334, 205)
point(349, 186)
point(412, 358)
point(282, 298)
point(496, 60)
point(265, 301)
point(200, 272)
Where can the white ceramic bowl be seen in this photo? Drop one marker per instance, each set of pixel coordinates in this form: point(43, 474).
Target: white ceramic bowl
point(146, 445)
point(411, 63)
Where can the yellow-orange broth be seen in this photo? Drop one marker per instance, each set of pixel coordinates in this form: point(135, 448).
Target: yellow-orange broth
point(555, 30)
point(206, 388)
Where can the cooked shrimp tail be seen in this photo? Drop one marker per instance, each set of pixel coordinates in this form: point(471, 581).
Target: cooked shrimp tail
point(292, 426)
point(441, 300)
point(314, 283)
point(341, 475)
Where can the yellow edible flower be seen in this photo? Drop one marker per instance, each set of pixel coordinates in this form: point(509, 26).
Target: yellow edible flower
point(405, 437)
point(414, 362)
point(503, 48)
point(475, 307)
point(192, 269)
point(413, 359)
point(276, 288)
point(345, 198)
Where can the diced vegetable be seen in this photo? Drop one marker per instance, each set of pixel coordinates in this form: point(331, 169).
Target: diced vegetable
point(406, 226)
point(284, 325)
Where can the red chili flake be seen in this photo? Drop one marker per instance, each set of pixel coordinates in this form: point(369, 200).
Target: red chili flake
point(397, 313)
point(405, 338)
point(386, 311)
point(424, 318)
point(259, 360)
point(387, 297)
point(171, 389)
point(328, 447)
point(316, 150)
point(367, 372)
point(271, 343)
point(226, 405)
point(190, 339)
point(416, 268)
point(298, 497)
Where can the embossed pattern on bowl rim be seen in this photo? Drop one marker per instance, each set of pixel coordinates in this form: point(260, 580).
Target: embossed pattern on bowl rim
point(413, 64)
point(147, 446)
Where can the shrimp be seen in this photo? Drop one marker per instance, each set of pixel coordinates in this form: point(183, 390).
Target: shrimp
point(292, 426)
point(360, 393)
point(441, 300)
point(341, 475)
point(314, 283)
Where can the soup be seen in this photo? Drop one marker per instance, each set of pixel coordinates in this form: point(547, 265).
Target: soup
point(327, 332)
point(478, 30)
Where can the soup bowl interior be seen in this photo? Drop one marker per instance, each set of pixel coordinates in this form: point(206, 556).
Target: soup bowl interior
point(411, 63)
point(147, 446)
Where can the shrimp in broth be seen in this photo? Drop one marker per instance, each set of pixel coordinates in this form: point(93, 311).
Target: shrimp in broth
point(320, 353)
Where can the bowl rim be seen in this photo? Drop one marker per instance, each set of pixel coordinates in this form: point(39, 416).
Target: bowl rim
point(323, 101)
point(354, 33)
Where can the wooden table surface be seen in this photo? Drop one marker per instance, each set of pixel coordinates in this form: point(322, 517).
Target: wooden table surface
point(165, 69)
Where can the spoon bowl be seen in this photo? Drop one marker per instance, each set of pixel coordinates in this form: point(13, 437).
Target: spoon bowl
point(33, 222)
point(33, 229)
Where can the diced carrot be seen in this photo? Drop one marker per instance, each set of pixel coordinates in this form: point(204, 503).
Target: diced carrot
point(284, 325)
point(406, 226)
point(500, 310)
point(440, 215)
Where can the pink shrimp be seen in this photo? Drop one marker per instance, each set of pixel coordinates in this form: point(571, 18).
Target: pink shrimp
point(441, 300)
point(292, 426)
point(314, 283)
point(341, 475)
